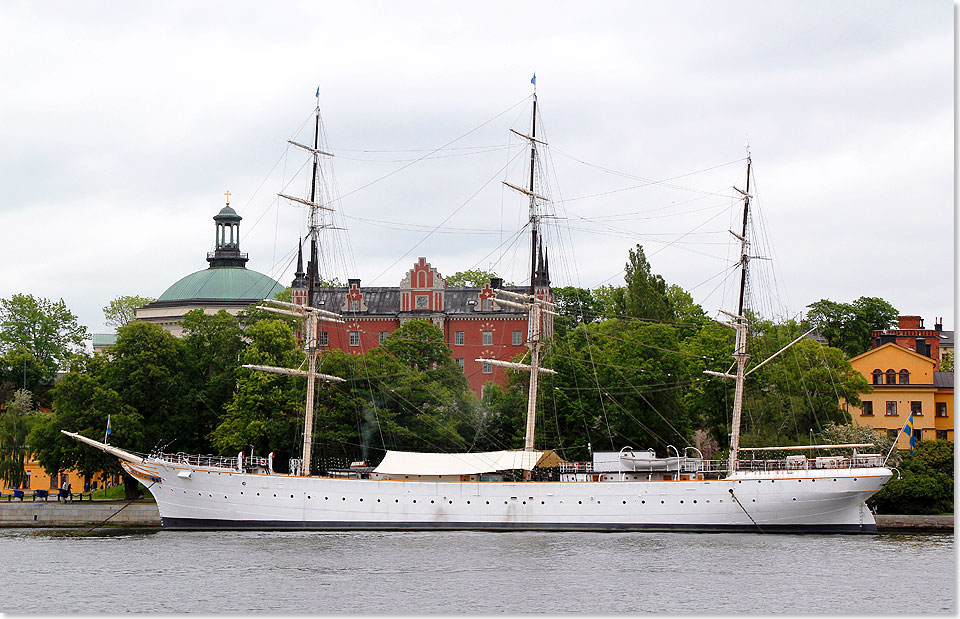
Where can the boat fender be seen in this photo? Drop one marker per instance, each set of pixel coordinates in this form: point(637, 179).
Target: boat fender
point(270, 463)
point(240, 461)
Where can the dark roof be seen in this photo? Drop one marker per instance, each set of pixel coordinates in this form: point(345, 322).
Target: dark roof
point(385, 301)
point(943, 380)
point(946, 339)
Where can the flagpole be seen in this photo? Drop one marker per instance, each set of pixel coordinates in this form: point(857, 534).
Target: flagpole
point(897, 438)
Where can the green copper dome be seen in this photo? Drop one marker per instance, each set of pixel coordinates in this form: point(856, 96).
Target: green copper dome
point(227, 283)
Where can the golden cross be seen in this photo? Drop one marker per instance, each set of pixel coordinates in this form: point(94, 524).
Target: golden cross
point(228, 197)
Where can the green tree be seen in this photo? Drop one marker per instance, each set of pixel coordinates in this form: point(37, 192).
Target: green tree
point(575, 306)
point(926, 485)
point(475, 278)
point(122, 309)
point(16, 421)
point(265, 408)
point(836, 434)
point(46, 329)
point(646, 292)
point(82, 404)
point(946, 363)
point(19, 369)
point(848, 326)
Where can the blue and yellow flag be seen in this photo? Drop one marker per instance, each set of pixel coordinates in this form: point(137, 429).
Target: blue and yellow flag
point(908, 430)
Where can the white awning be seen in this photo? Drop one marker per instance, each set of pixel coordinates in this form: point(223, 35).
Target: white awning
point(417, 463)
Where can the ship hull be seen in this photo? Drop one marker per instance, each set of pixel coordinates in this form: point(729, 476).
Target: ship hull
point(805, 501)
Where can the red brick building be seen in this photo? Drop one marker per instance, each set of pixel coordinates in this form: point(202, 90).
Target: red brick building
point(911, 335)
point(473, 325)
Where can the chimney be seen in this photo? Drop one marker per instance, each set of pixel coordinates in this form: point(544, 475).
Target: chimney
point(496, 282)
point(938, 325)
point(353, 282)
point(922, 347)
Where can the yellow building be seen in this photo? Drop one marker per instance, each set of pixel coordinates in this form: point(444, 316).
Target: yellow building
point(38, 479)
point(904, 382)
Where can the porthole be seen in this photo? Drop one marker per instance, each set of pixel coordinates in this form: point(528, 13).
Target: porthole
point(414, 500)
point(396, 500)
point(243, 483)
point(224, 496)
point(468, 502)
point(274, 496)
point(694, 500)
point(643, 502)
point(199, 494)
point(345, 498)
point(794, 498)
point(451, 502)
point(624, 502)
point(580, 502)
point(854, 479)
point(759, 481)
point(291, 496)
point(241, 492)
point(541, 502)
point(504, 502)
point(308, 496)
point(378, 500)
point(661, 502)
point(431, 500)
point(754, 500)
point(834, 480)
point(524, 502)
point(488, 502)
point(258, 494)
point(361, 499)
point(708, 500)
point(681, 501)
point(813, 480)
point(326, 498)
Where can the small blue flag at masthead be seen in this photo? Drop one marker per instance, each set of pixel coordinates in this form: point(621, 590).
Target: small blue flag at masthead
point(533, 80)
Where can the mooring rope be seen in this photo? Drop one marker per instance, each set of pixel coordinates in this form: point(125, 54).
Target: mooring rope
point(745, 511)
point(130, 502)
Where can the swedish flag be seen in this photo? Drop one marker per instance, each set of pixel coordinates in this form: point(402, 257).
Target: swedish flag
point(908, 430)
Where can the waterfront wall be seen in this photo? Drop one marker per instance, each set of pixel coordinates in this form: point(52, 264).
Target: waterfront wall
point(76, 514)
point(906, 524)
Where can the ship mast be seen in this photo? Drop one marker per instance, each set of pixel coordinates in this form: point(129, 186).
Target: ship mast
point(535, 307)
point(740, 353)
point(308, 313)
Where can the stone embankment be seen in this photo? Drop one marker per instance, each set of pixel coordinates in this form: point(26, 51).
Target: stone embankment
point(917, 524)
point(52, 513)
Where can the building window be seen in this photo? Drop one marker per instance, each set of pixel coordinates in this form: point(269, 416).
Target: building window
point(517, 338)
point(941, 435)
point(487, 368)
point(354, 305)
point(877, 377)
point(354, 338)
point(891, 377)
point(867, 410)
point(891, 409)
point(488, 338)
point(458, 338)
point(917, 435)
point(486, 305)
point(916, 408)
point(892, 434)
point(323, 339)
point(53, 481)
point(941, 409)
point(422, 302)
point(904, 377)
point(459, 362)
point(383, 336)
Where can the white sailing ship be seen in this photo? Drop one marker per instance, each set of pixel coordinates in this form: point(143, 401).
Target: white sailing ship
point(629, 490)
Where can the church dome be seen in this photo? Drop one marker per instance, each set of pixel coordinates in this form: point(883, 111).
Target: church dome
point(224, 284)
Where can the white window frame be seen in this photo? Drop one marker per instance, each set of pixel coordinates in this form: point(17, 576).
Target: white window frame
point(487, 338)
point(458, 338)
point(354, 338)
point(323, 338)
point(517, 338)
point(486, 368)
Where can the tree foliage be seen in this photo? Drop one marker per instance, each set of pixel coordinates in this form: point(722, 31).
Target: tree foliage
point(16, 421)
point(475, 278)
point(848, 326)
point(926, 485)
point(43, 328)
point(122, 310)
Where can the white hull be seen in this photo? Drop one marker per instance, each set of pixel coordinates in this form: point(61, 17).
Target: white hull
point(829, 500)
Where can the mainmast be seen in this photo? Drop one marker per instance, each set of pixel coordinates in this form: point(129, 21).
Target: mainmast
point(308, 313)
point(534, 306)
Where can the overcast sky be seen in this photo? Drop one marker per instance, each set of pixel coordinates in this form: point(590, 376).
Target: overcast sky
point(125, 123)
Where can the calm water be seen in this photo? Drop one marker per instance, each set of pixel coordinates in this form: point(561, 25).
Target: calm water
point(460, 572)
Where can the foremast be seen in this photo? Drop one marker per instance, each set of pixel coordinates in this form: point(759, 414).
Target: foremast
point(534, 306)
point(309, 314)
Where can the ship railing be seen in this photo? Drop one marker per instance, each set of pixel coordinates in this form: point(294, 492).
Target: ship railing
point(802, 463)
point(210, 461)
point(577, 467)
